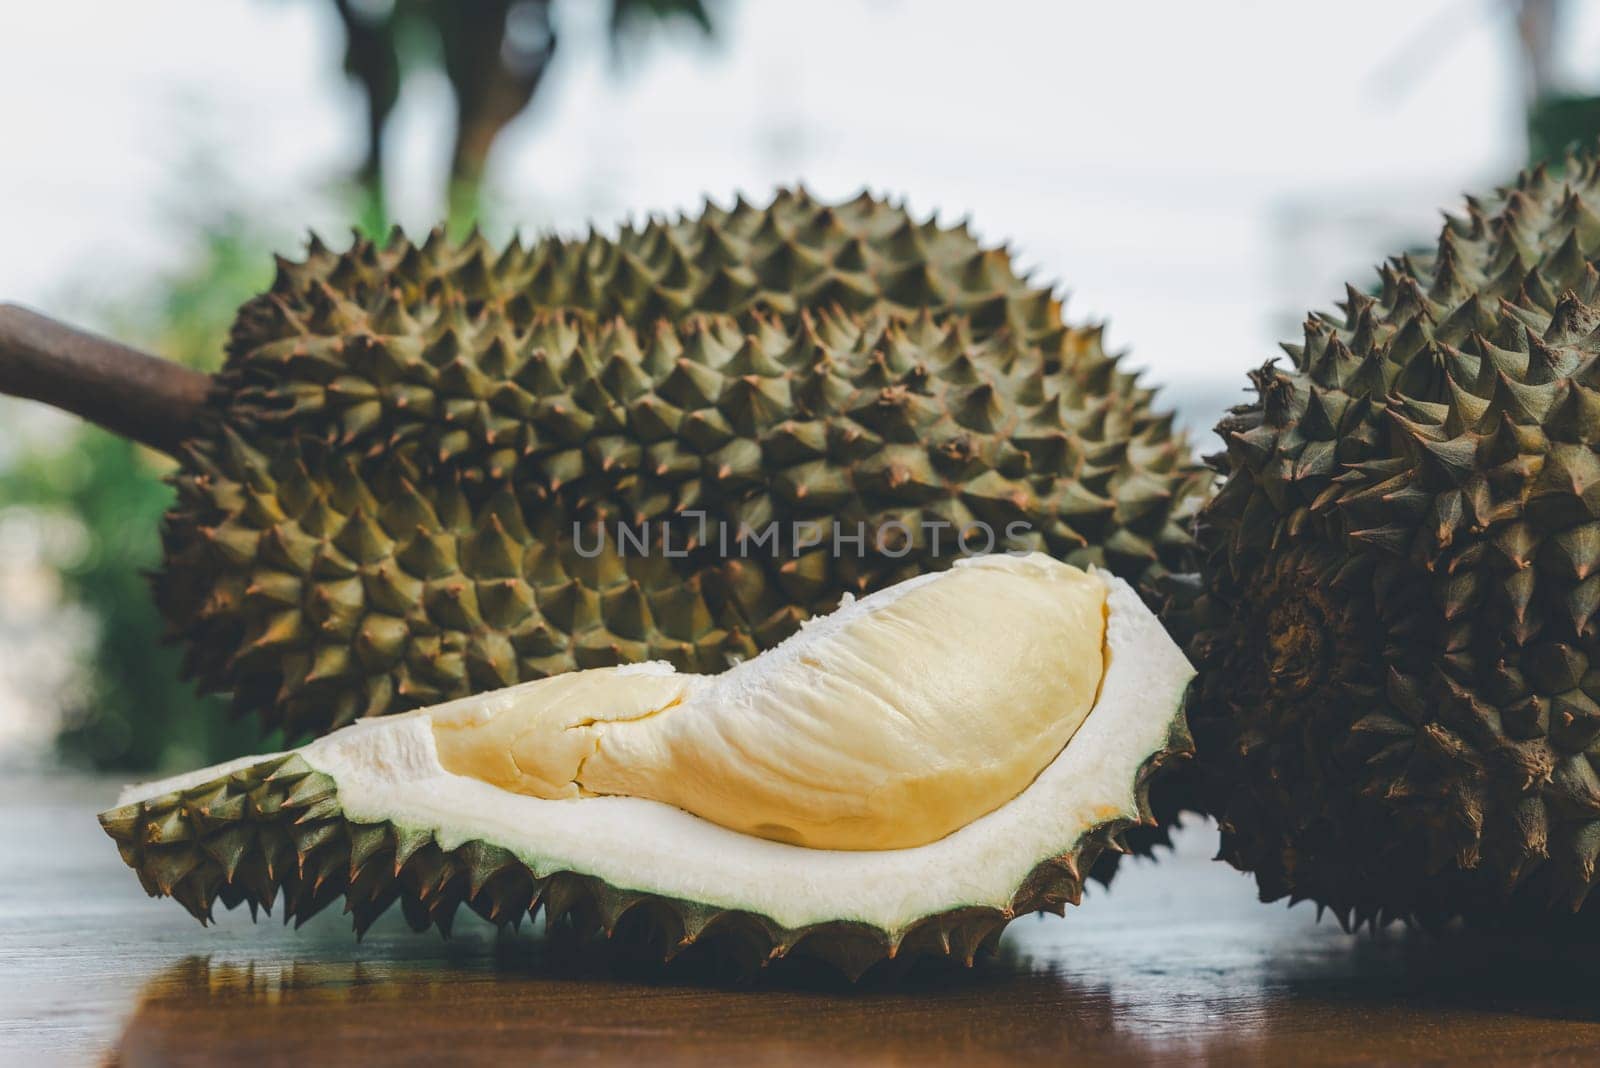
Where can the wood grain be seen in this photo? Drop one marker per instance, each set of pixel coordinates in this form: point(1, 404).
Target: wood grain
point(1177, 965)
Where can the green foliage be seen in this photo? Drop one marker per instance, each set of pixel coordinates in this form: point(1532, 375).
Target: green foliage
point(1558, 122)
point(137, 715)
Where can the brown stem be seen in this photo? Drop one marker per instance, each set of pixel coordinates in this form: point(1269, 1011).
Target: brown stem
point(152, 401)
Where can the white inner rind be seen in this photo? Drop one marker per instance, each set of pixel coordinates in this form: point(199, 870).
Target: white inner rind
point(388, 769)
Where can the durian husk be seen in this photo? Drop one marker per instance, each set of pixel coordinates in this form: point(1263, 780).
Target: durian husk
point(382, 513)
point(1397, 716)
point(793, 255)
point(273, 833)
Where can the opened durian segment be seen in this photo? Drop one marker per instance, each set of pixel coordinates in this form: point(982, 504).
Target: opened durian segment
point(887, 725)
point(388, 770)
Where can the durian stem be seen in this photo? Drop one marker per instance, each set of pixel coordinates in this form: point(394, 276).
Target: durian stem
point(141, 397)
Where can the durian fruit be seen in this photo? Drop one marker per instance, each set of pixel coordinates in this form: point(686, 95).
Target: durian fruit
point(900, 778)
point(418, 455)
point(1398, 715)
point(797, 253)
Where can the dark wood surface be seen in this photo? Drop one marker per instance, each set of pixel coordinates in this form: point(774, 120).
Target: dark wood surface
point(1177, 964)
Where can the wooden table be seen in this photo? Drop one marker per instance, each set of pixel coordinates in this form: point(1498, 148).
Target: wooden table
point(1178, 964)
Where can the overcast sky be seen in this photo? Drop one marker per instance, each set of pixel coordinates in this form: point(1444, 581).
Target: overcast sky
point(1198, 173)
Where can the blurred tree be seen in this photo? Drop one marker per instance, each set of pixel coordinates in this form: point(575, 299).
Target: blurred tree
point(1557, 118)
point(134, 713)
point(495, 54)
point(1536, 23)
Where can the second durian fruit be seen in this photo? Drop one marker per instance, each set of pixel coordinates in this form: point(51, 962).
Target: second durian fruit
point(416, 456)
point(1399, 655)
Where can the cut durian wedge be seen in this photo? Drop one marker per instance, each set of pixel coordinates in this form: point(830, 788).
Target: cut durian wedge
point(905, 775)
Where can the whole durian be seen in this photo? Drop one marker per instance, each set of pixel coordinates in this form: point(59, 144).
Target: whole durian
point(416, 455)
point(1399, 661)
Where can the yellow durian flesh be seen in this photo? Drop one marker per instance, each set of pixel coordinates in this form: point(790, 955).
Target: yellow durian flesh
point(889, 724)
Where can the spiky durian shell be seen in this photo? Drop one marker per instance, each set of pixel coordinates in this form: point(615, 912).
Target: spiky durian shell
point(406, 435)
point(275, 831)
point(1399, 662)
point(797, 253)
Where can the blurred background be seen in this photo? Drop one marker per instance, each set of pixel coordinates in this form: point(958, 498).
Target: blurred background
point(1199, 175)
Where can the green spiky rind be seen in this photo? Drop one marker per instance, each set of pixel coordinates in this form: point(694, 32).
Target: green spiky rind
point(406, 437)
point(1401, 667)
point(276, 830)
point(797, 253)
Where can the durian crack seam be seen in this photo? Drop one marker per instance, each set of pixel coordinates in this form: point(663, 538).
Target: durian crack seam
point(371, 813)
